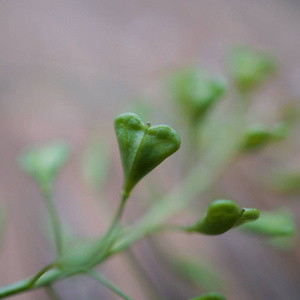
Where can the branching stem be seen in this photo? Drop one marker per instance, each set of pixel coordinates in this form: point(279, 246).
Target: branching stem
point(39, 274)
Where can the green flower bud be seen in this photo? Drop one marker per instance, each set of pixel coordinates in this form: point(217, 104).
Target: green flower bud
point(249, 68)
point(258, 135)
point(142, 147)
point(221, 216)
point(248, 215)
point(210, 296)
point(43, 163)
point(196, 91)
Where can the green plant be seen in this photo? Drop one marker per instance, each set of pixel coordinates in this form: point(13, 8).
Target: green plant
point(219, 140)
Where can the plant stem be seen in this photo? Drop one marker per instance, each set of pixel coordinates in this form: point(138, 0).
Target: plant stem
point(39, 274)
point(23, 285)
point(108, 284)
point(201, 177)
point(57, 232)
point(118, 214)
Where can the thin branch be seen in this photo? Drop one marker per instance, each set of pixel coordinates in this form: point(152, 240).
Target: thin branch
point(39, 274)
point(57, 231)
point(108, 284)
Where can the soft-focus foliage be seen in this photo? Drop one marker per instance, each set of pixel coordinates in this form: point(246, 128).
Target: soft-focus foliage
point(249, 68)
point(196, 91)
point(273, 223)
point(43, 163)
point(215, 137)
point(258, 135)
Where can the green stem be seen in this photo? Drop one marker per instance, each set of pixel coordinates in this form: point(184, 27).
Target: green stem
point(47, 192)
point(108, 284)
point(118, 214)
point(39, 274)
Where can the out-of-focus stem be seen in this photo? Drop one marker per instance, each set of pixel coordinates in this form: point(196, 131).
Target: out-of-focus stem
point(108, 284)
point(57, 231)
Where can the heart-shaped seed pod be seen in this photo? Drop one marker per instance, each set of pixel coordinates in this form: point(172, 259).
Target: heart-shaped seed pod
point(142, 147)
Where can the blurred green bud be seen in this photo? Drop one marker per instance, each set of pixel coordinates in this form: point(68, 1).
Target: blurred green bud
point(283, 181)
point(196, 91)
point(221, 216)
point(210, 296)
point(249, 68)
point(248, 215)
point(273, 223)
point(142, 147)
point(43, 163)
point(258, 135)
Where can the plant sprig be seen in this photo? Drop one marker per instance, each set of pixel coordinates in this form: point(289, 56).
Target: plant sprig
point(142, 148)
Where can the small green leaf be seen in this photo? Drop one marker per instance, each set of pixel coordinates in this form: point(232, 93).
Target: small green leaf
point(210, 296)
point(142, 147)
point(196, 91)
point(258, 135)
point(43, 163)
point(249, 68)
point(221, 216)
point(273, 223)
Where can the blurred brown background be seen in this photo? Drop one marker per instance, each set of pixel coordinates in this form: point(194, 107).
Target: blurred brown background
point(67, 68)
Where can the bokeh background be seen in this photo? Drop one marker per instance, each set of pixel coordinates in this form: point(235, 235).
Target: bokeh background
point(67, 68)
